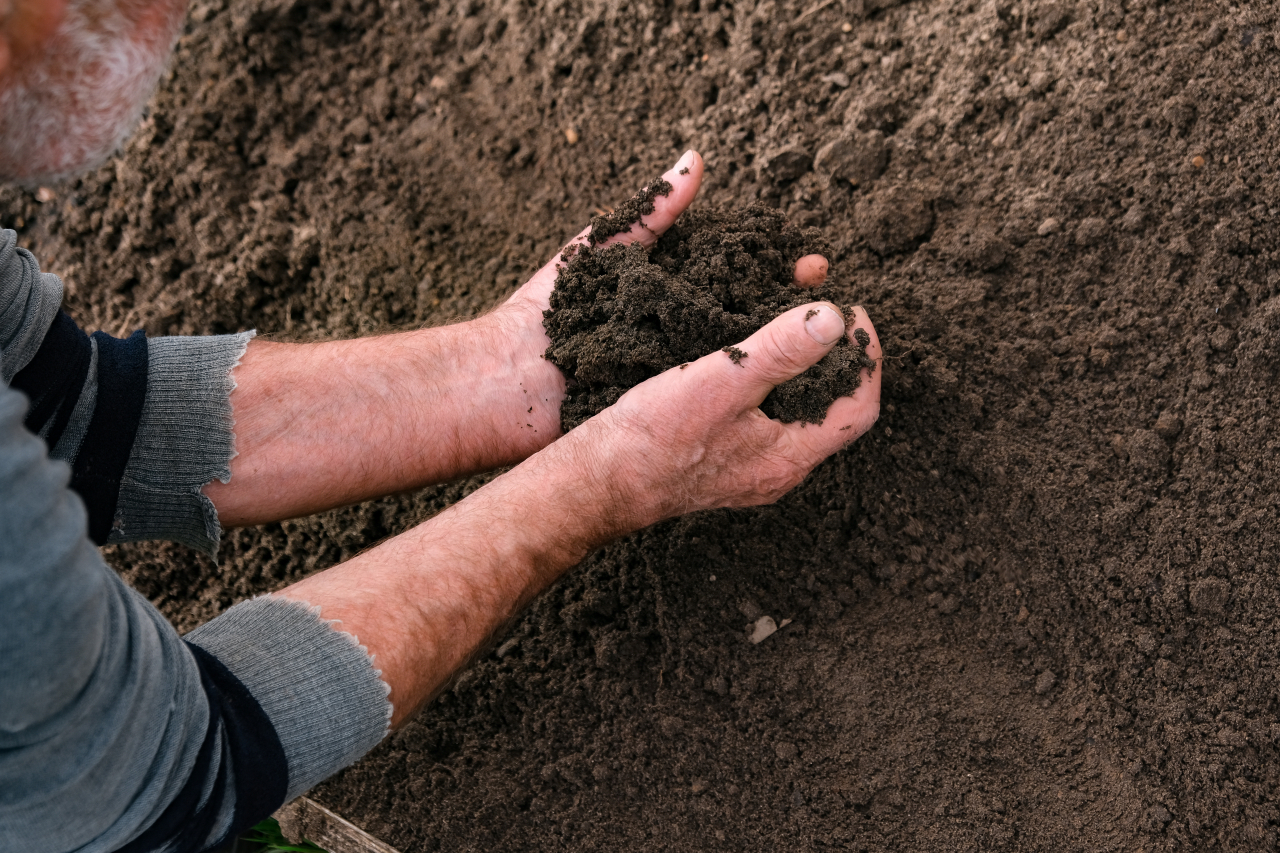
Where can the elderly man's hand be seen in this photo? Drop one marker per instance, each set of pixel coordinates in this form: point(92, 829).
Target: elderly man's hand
point(427, 601)
point(517, 324)
point(694, 437)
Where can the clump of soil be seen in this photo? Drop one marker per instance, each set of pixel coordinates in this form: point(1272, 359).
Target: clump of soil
point(622, 314)
point(628, 213)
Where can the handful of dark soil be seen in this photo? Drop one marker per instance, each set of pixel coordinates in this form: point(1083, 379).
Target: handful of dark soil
point(622, 314)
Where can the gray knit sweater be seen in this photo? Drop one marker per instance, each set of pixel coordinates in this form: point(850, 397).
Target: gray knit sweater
point(104, 716)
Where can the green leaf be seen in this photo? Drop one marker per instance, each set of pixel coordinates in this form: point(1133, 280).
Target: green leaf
point(268, 833)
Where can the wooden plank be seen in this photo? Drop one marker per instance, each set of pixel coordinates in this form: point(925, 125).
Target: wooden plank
point(305, 819)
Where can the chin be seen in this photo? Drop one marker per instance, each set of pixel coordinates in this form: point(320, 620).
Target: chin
point(70, 102)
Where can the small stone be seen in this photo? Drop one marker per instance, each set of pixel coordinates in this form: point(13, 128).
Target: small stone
point(571, 136)
point(44, 195)
point(1049, 226)
point(846, 27)
point(1040, 82)
point(438, 83)
point(1197, 161)
point(763, 629)
point(1168, 425)
point(1122, 36)
point(836, 78)
point(785, 751)
point(1045, 682)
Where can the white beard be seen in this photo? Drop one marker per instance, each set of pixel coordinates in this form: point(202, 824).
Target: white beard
point(76, 108)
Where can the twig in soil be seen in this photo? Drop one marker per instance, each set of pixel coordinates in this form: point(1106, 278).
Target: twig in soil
point(814, 10)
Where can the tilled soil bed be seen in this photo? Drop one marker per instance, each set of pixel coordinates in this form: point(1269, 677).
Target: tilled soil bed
point(1036, 608)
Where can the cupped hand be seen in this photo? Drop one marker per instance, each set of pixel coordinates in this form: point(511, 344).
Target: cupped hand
point(518, 322)
point(695, 438)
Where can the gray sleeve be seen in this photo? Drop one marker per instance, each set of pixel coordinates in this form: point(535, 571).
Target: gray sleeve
point(29, 300)
point(317, 684)
point(101, 706)
point(184, 442)
point(102, 709)
point(184, 439)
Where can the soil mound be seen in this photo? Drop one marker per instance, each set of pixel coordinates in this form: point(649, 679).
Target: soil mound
point(622, 314)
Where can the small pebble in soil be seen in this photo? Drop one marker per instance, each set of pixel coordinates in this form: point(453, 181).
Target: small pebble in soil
point(1049, 226)
point(846, 27)
point(1046, 681)
point(571, 136)
point(44, 195)
point(1197, 161)
point(763, 629)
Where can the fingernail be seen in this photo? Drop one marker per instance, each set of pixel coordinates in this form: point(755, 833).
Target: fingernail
point(824, 325)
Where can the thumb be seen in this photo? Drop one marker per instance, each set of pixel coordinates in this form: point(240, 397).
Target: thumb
point(788, 346)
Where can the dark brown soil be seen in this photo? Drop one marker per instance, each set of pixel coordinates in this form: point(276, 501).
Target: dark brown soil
point(1036, 608)
point(620, 315)
point(628, 213)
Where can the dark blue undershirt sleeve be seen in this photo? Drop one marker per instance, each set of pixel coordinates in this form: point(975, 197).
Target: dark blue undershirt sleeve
point(145, 424)
point(54, 380)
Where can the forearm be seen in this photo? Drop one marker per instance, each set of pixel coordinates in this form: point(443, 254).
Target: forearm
point(426, 601)
point(324, 425)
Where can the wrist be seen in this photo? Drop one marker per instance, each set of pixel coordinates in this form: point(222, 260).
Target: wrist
point(517, 392)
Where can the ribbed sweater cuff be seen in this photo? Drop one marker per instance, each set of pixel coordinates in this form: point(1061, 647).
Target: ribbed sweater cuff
point(184, 442)
point(317, 684)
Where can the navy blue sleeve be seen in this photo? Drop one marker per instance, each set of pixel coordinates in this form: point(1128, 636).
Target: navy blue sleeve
point(56, 379)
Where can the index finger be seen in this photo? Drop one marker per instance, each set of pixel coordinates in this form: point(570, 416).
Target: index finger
point(685, 178)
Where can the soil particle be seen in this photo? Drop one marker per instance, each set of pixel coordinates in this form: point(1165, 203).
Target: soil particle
point(623, 314)
point(788, 163)
point(896, 221)
point(762, 629)
point(857, 158)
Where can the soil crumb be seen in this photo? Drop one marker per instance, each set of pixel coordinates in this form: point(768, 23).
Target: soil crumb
point(628, 213)
point(623, 314)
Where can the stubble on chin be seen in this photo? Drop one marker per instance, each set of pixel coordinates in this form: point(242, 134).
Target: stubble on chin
point(69, 102)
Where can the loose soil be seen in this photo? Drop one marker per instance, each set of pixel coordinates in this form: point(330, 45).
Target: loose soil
point(1036, 608)
point(620, 315)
